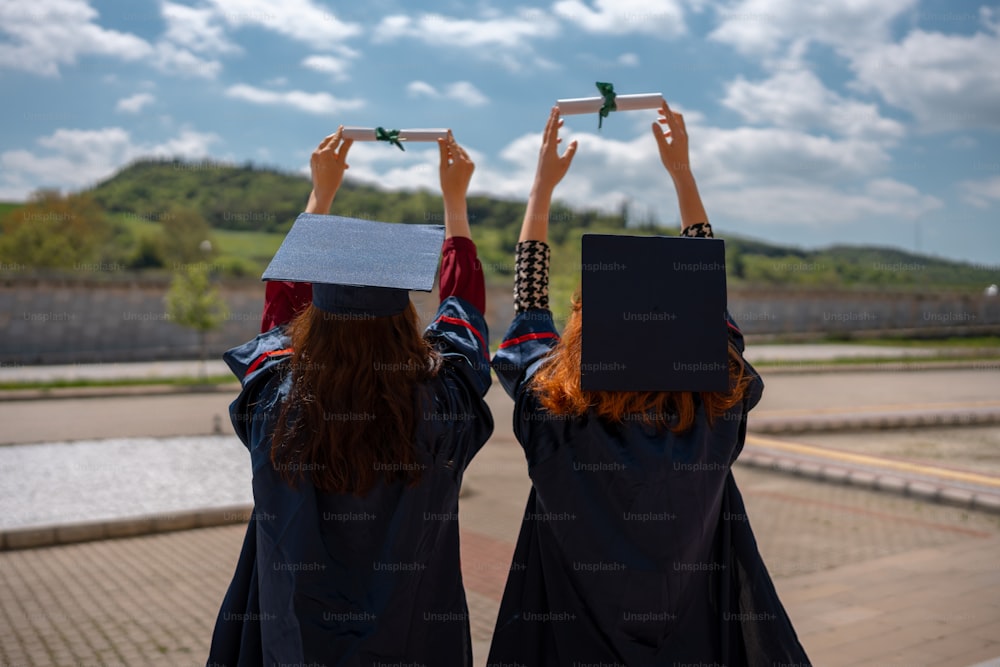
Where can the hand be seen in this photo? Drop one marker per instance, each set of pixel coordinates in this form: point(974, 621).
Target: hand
point(551, 166)
point(456, 170)
point(673, 153)
point(328, 164)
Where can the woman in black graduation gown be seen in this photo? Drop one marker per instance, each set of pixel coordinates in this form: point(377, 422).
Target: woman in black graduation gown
point(635, 547)
point(359, 430)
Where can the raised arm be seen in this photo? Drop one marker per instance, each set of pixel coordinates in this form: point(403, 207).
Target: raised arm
point(284, 300)
point(673, 145)
point(551, 169)
point(461, 272)
point(531, 261)
point(532, 334)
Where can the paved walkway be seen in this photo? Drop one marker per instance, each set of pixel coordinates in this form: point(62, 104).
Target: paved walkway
point(868, 578)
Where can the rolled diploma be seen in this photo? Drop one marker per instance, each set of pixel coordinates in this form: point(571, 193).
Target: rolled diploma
point(368, 134)
point(622, 102)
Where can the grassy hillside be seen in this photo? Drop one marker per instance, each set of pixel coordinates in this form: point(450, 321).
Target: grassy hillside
point(248, 209)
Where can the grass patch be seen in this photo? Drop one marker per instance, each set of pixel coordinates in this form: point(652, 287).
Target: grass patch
point(6, 207)
point(944, 343)
point(878, 361)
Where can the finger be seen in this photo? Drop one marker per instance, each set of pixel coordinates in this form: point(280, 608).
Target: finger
point(661, 138)
point(552, 126)
point(331, 138)
point(344, 147)
point(570, 152)
point(443, 146)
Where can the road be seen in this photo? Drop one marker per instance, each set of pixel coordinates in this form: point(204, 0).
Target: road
point(785, 395)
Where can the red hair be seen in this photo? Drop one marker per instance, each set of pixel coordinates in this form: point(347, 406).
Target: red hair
point(557, 385)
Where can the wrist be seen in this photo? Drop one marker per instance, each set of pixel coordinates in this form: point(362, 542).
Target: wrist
point(454, 202)
point(682, 175)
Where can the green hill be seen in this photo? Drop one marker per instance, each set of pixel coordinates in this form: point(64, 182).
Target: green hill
point(244, 210)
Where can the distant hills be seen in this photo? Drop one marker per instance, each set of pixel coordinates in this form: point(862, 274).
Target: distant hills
point(151, 206)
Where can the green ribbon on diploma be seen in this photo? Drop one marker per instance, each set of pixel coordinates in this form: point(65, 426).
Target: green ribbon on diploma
point(392, 136)
point(607, 91)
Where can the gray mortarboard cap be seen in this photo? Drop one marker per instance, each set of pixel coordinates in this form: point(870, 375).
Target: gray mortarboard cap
point(654, 314)
point(357, 266)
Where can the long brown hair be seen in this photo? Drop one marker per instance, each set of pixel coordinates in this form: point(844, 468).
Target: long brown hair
point(351, 415)
point(557, 385)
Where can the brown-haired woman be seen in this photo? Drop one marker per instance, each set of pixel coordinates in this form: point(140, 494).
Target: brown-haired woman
point(635, 548)
point(359, 429)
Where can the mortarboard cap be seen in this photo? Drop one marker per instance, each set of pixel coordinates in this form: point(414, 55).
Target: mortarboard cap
point(654, 314)
point(357, 266)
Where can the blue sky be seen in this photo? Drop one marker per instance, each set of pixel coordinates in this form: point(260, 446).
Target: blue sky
point(861, 121)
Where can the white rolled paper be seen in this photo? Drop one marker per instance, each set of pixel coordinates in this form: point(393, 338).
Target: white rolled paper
point(622, 102)
point(368, 134)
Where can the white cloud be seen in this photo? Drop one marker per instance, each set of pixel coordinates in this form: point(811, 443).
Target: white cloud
point(628, 60)
point(196, 29)
point(503, 39)
point(421, 89)
point(819, 204)
point(766, 27)
point(135, 103)
point(798, 99)
point(172, 59)
point(983, 193)
point(947, 82)
point(317, 103)
point(47, 34)
point(460, 91)
point(74, 159)
point(663, 18)
point(301, 20)
point(746, 154)
point(769, 176)
point(335, 67)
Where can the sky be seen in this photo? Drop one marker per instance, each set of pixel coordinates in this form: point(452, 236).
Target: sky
point(871, 122)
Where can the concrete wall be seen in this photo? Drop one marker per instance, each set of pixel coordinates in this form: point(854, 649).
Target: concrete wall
point(48, 321)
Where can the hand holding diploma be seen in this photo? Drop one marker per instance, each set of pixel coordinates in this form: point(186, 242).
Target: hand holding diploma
point(328, 164)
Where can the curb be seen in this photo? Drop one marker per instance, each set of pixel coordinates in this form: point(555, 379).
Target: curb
point(874, 480)
point(34, 537)
point(779, 426)
point(778, 367)
point(114, 392)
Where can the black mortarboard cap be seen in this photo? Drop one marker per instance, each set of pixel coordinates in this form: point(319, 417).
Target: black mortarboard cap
point(357, 266)
point(654, 314)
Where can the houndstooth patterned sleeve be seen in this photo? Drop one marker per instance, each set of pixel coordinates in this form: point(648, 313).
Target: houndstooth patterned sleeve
point(531, 275)
point(698, 230)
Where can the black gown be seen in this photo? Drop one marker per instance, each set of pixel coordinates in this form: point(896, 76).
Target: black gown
point(635, 547)
point(334, 579)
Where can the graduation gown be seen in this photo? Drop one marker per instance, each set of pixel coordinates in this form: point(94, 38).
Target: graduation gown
point(334, 579)
point(635, 547)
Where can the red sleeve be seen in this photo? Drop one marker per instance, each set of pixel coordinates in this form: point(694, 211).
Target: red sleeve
point(462, 272)
point(283, 301)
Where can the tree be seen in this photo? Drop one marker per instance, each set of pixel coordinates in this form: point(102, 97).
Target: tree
point(184, 229)
point(194, 303)
point(54, 232)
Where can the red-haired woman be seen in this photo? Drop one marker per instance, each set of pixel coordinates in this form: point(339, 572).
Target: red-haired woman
point(359, 430)
point(635, 549)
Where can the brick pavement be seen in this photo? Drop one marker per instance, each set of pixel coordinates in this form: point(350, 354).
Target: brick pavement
point(868, 579)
